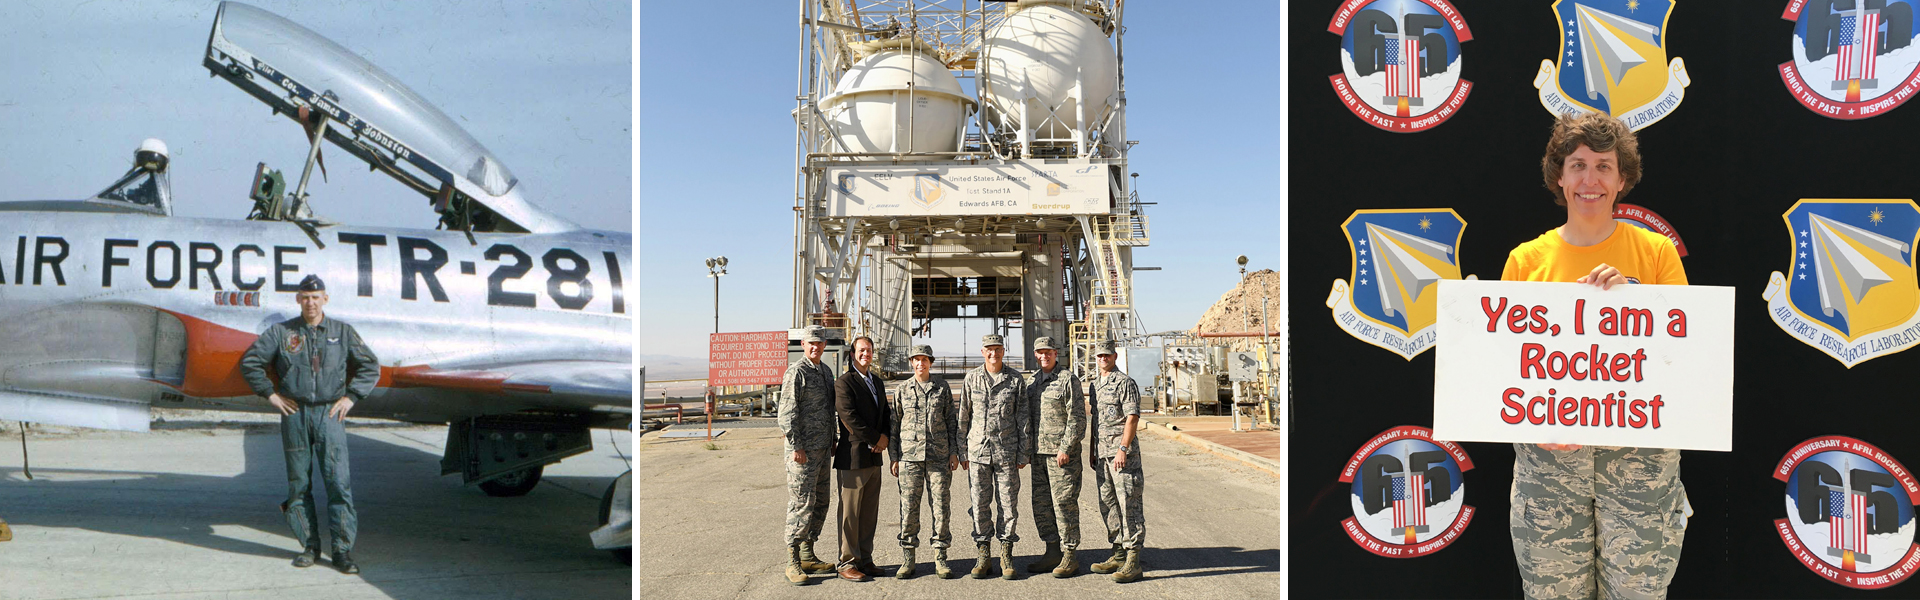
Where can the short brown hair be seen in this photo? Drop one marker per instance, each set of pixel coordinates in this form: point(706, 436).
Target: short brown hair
point(856, 342)
point(1599, 132)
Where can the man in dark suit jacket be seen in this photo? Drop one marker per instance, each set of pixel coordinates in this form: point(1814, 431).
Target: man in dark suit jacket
point(861, 399)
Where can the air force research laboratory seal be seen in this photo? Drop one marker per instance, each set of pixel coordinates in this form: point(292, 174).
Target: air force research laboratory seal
point(1400, 62)
point(1398, 256)
point(1849, 512)
point(1851, 290)
point(1612, 59)
point(1851, 60)
point(1408, 497)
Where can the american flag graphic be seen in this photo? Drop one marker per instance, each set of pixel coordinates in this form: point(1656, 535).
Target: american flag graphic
point(1869, 43)
point(1394, 67)
point(1847, 532)
point(1409, 501)
point(1413, 68)
point(1843, 70)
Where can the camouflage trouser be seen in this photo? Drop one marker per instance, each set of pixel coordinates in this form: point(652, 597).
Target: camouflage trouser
point(1056, 510)
point(1619, 511)
point(309, 433)
point(933, 480)
point(808, 492)
point(1122, 506)
point(994, 486)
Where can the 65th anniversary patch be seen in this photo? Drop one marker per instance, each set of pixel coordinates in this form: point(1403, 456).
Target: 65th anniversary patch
point(1408, 496)
point(1851, 59)
point(1849, 512)
point(1400, 62)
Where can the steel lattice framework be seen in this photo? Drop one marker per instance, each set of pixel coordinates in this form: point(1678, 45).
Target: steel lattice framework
point(856, 274)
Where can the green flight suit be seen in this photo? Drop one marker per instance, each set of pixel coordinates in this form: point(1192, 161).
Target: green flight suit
point(315, 366)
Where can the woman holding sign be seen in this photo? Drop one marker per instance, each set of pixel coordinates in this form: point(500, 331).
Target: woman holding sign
point(1577, 512)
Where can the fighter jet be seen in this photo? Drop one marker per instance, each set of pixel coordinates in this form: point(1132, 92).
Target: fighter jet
point(508, 323)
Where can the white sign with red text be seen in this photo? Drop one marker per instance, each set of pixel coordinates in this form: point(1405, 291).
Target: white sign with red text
point(1647, 366)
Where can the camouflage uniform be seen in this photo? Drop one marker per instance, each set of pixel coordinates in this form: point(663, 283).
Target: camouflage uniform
point(1624, 506)
point(926, 434)
point(997, 439)
point(1059, 415)
point(808, 420)
point(1115, 396)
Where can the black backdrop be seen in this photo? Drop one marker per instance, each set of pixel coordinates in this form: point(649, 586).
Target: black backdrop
point(1721, 168)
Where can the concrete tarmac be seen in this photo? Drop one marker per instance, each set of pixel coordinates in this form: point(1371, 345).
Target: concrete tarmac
point(192, 510)
point(712, 525)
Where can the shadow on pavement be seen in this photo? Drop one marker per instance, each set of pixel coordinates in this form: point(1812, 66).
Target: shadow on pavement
point(1203, 562)
point(421, 535)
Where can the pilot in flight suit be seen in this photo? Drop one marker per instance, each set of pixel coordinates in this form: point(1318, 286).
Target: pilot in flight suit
point(322, 368)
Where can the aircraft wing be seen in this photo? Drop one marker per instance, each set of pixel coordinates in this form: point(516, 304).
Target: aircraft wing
point(596, 386)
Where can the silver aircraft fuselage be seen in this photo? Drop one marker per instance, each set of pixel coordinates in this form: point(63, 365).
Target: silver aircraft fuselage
point(103, 314)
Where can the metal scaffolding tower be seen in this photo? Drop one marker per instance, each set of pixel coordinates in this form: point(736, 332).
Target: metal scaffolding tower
point(886, 273)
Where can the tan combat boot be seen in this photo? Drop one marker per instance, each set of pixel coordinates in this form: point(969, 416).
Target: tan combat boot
point(1047, 561)
point(940, 564)
point(985, 552)
point(794, 574)
point(1006, 561)
point(1112, 563)
point(1068, 566)
point(906, 565)
point(812, 564)
point(1129, 572)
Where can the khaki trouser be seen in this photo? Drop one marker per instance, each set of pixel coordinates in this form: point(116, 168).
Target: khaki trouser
point(859, 514)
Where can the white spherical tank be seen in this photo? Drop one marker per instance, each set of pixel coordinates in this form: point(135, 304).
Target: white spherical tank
point(900, 98)
point(1037, 55)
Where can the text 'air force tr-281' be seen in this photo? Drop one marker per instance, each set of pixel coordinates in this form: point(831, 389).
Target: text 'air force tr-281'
point(509, 323)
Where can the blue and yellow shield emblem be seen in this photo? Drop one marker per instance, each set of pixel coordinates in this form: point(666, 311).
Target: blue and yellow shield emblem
point(1612, 58)
point(1851, 289)
point(1398, 256)
point(927, 189)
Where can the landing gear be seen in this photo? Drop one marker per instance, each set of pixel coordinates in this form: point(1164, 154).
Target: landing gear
point(514, 483)
point(505, 454)
point(616, 519)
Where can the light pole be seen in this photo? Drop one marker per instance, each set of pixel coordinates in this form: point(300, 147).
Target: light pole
point(1243, 296)
point(717, 267)
point(1241, 386)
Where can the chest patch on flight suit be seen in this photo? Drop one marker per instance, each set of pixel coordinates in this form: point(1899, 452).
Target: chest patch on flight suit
point(294, 343)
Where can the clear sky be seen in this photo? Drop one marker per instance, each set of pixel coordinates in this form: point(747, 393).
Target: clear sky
point(546, 86)
point(717, 80)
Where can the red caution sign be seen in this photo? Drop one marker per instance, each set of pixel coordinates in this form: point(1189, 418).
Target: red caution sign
point(756, 358)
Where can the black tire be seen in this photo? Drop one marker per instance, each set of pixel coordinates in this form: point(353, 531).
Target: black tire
point(624, 555)
point(517, 483)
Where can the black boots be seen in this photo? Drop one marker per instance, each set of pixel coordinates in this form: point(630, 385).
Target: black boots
point(344, 563)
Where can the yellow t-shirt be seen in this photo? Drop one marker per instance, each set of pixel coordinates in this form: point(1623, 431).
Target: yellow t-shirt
point(1643, 256)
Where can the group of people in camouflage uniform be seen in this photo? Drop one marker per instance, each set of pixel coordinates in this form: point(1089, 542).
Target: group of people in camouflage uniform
point(1001, 422)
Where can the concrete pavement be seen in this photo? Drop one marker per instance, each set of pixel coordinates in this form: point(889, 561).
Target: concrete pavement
point(191, 510)
point(711, 525)
point(1257, 448)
